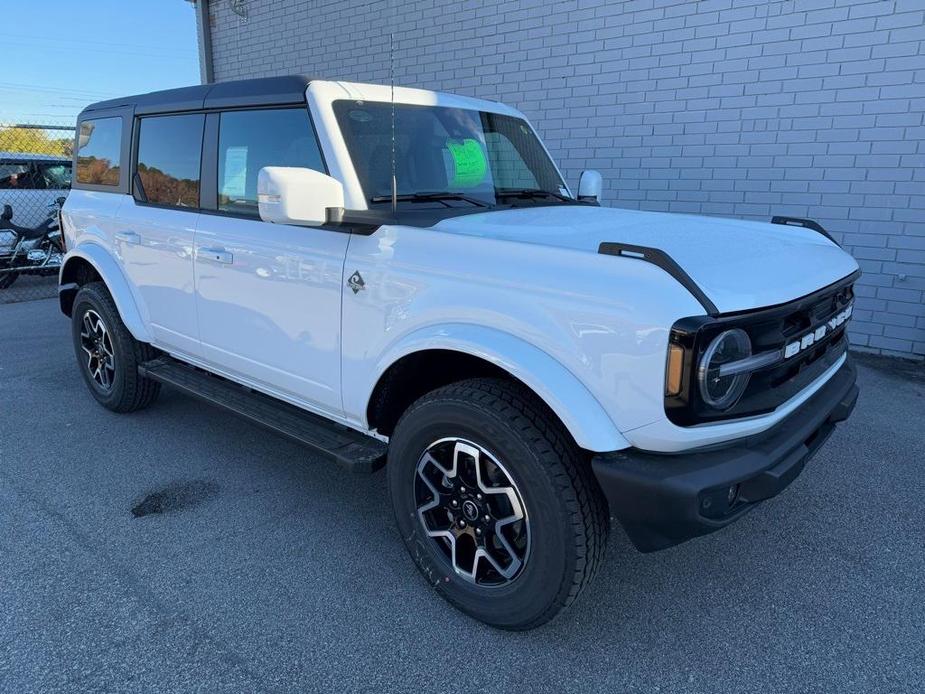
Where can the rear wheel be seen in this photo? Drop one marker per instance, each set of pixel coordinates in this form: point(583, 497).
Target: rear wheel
point(107, 354)
point(495, 502)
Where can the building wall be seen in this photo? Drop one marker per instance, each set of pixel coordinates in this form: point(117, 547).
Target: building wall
point(747, 108)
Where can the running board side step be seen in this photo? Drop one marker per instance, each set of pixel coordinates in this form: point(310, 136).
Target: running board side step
point(349, 448)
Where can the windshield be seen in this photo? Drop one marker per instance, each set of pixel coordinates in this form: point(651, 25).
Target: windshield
point(56, 175)
point(479, 158)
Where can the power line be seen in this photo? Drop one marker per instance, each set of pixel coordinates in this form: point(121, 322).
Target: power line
point(54, 90)
point(19, 116)
point(77, 99)
point(79, 42)
point(104, 51)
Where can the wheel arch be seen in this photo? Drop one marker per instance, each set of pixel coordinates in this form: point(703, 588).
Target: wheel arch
point(90, 263)
point(442, 355)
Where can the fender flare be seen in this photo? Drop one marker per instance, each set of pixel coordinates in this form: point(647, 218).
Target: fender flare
point(110, 272)
point(571, 401)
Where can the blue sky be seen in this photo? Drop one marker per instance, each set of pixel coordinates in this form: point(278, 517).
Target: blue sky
point(60, 55)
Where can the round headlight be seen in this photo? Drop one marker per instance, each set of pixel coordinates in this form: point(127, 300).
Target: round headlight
point(718, 391)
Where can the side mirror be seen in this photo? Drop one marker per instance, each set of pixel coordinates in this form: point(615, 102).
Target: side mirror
point(590, 185)
point(291, 195)
point(7, 213)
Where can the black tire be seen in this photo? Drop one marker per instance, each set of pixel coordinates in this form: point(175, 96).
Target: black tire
point(128, 390)
point(568, 519)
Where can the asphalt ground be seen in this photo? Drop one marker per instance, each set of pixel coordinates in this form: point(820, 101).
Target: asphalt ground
point(269, 571)
point(29, 288)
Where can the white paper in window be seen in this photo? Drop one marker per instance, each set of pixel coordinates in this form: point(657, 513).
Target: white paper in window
point(234, 181)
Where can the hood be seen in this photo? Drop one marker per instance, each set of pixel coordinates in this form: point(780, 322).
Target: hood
point(739, 265)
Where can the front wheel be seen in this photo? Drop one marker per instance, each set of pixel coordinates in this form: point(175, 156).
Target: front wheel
point(496, 504)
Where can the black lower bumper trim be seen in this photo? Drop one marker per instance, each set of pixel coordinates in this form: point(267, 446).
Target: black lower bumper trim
point(662, 500)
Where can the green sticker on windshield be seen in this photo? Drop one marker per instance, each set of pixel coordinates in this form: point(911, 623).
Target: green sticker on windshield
point(468, 162)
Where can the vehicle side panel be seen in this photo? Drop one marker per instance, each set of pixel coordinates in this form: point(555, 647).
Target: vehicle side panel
point(154, 245)
point(90, 221)
point(272, 314)
point(603, 320)
point(573, 403)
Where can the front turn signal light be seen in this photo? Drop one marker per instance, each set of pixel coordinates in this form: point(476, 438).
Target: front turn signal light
point(674, 370)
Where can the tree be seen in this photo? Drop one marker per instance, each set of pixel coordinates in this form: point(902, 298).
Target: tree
point(33, 141)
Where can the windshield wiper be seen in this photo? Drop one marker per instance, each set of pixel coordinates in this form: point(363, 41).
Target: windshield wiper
point(531, 194)
point(430, 197)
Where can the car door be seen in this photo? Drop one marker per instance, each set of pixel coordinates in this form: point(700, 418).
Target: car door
point(268, 295)
point(154, 239)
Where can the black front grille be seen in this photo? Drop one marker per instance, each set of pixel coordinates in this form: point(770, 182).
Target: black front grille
point(772, 387)
point(769, 329)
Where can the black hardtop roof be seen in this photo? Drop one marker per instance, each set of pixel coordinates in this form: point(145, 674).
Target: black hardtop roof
point(262, 91)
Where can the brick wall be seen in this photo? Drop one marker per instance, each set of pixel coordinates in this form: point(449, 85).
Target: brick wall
point(747, 108)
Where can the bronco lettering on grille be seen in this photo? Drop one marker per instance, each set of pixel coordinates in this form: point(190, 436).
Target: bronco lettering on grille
point(815, 336)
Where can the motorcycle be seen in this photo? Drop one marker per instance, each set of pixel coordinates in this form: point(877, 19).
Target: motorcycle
point(34, 250)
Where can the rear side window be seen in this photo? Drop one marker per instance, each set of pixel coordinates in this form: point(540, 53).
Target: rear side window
point(35, 175)
point(99, 143)
point(53, 175)
point(169, 150)
point(250, 140)
point(14, 175)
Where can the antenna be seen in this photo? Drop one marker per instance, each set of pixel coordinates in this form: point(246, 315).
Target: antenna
point(392, 98)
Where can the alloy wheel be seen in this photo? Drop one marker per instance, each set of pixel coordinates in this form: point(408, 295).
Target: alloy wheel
point(96, 342)
point(473, 511)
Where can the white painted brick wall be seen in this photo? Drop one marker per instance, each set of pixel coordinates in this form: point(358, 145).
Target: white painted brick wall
point(748, 108)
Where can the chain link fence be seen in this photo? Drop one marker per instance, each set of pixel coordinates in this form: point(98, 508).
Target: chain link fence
point(35, 178)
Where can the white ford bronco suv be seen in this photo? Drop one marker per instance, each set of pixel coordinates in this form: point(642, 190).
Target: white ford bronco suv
point(401, 278)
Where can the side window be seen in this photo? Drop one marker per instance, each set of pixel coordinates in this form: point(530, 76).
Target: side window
point(53, 175)
point(169, 150)
point(99, 144)
point(13, 174)
point(250, 140)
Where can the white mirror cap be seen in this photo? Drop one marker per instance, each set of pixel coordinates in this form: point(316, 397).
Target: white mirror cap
point(590, 185)
point(293, 195)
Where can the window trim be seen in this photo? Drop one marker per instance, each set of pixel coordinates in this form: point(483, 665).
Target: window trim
point(136, 137)
point(208, 175)
point(124, 152)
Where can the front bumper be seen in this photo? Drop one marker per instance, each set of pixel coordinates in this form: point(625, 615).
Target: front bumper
point(662, 500)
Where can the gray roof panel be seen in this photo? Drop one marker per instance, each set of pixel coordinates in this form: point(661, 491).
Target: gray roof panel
point(263, 91)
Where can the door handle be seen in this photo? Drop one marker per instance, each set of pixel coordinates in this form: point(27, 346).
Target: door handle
point(216, 255)
point(128, 237)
